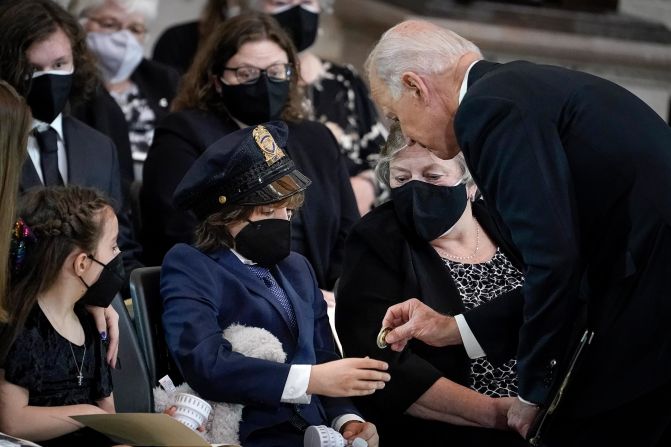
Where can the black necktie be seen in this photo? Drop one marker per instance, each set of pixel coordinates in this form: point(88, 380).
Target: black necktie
point(48, 143)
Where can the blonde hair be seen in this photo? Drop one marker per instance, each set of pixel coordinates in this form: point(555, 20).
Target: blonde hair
point(15, 122)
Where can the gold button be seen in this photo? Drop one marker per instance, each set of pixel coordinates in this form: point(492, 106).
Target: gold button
point(222, 199)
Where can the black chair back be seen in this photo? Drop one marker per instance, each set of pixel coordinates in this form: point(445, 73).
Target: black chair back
point(132, 389)
point(147, 310)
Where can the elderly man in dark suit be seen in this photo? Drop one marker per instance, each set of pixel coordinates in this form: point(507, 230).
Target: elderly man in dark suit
point(575, 170)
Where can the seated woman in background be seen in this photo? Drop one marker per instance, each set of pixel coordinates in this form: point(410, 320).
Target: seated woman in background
point(143, 89)
point(433, 242)
point(246, 74)
point(244, 189)
point(336, 94)
point(64, 255)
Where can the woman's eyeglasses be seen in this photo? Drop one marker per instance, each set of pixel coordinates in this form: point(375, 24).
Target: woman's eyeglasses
point(250, 75)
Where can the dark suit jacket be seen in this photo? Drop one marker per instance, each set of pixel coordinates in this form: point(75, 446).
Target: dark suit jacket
point(157, 82)
point(384, 265)
point(217, 290)
point(325, 218)
point(92, 162)
point(576, 171)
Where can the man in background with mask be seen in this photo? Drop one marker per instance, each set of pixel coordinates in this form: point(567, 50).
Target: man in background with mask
point(140, 88)
point(43, 55)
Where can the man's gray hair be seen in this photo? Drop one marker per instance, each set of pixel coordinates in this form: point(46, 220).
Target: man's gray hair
point(396, 142)
point(148, 8)
point(424, 49)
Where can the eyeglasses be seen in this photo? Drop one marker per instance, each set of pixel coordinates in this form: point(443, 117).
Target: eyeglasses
point(250, 75)
point(110, 25)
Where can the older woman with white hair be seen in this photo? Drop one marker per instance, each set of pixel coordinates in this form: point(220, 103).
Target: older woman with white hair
point(143, 89)
point(433, 241)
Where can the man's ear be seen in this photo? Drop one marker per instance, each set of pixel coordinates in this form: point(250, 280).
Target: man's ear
point(416, 85)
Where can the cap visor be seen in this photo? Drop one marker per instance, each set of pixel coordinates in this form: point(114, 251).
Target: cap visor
point(279, 189)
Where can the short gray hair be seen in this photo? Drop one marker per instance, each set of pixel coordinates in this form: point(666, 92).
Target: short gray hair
point(426, 49)
point(396, 142)
point(148, 8)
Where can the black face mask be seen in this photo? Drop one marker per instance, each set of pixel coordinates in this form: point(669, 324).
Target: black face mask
point(301, 24)
point(48, 95)
point(429, 210)
point(265, 242)
point(256, 103)
point(111, 280)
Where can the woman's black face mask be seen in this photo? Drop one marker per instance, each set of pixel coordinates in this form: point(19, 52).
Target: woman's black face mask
point(256, 103)
point(429, 210)
point(301, 25)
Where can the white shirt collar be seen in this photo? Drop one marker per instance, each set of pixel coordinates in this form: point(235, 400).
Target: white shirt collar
point(464, 83)
point(56, 124)
point(242, 258)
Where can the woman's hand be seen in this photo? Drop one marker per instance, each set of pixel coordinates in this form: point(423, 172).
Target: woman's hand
point(348, 377)
point(364, 430)
point(107, 323)
point(170, 411)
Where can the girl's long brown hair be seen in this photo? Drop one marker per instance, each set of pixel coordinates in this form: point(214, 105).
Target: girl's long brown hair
point(15, 121)
point(198, 90)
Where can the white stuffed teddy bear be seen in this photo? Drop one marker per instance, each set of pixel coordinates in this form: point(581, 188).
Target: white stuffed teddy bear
point(224, 422)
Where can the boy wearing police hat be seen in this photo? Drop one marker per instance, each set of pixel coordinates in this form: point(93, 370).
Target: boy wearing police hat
point(243, 189)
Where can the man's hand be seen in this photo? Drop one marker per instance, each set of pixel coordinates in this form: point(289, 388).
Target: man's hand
point(107, 323)
point(414, 319)
point(521, 416)
point(364, 430)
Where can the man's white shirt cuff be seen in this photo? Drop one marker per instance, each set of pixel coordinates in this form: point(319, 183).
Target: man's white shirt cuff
point(473, 348)
point(342, 420)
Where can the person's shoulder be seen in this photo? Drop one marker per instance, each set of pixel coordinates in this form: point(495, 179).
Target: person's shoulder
point(183, 253)
point(379, 229)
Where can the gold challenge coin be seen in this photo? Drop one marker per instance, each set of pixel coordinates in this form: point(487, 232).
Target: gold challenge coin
point(381, 343)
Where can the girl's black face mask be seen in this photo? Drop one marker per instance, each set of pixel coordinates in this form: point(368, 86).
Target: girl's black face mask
point(111, 280)
point(428, 210)
point(256, 103)
point(301, 24)
point(265, 242)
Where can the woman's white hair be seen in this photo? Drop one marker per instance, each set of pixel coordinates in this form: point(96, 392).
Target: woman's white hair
point(148, 8)
point(416, 46)
point(396, 142)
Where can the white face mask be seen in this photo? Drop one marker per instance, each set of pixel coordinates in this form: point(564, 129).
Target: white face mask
point(118, 54)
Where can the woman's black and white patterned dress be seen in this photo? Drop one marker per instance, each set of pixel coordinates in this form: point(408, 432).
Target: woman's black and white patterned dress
point(477, 284)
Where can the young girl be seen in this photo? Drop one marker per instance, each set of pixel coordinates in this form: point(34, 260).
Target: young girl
point(64, 255)
point(244, 189)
